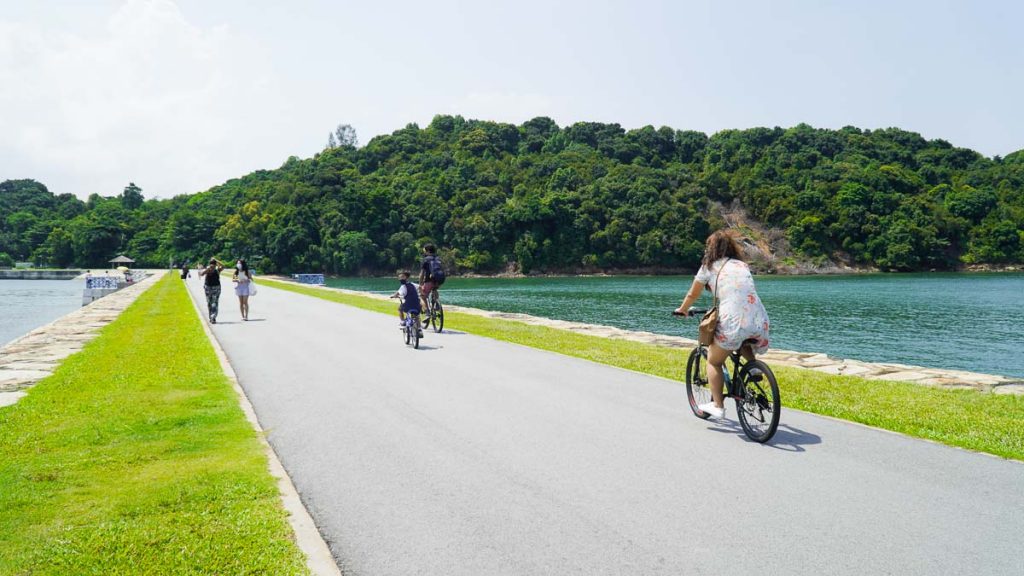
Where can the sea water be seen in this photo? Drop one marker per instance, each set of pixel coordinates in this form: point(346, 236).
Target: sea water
point(29, 304)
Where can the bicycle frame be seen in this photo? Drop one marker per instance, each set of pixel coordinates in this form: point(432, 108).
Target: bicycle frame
point(738, 364)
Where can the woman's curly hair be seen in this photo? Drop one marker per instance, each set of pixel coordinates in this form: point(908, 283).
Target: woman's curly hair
point(721, 244)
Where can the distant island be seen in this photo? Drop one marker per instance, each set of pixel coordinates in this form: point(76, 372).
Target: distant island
point(539, 198)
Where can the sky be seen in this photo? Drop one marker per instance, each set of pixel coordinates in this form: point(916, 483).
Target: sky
point(180, 95)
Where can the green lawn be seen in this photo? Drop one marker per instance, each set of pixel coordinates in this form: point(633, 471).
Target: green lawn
point(135, 458)
point(969, 419)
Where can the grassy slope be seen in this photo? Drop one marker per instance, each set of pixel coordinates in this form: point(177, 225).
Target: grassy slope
point(964, 418)
point(135, 458)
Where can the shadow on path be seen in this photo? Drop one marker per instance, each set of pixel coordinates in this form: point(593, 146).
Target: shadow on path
point(787, 438)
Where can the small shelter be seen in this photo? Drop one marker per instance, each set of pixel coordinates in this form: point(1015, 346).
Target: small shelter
point(122, 259)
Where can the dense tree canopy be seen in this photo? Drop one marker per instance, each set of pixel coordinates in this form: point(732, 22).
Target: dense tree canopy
point(538, 197)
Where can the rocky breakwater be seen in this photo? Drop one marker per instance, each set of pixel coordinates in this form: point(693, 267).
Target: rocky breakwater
point(37, 354)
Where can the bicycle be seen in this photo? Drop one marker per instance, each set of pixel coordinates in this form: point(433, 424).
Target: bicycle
point(411, 329)
point(752, 385)
point(435, 312)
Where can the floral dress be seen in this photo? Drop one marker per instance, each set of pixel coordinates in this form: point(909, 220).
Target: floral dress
point(741, 316)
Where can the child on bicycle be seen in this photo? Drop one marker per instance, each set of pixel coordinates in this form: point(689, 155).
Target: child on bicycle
point(409, 299)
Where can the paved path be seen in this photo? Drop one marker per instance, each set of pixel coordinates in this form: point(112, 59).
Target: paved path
point(472, 456)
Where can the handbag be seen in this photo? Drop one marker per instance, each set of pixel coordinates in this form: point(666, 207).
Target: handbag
point(709, 323)
point(252, 287)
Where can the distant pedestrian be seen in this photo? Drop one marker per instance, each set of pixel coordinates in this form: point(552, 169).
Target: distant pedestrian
point(186, 272)
point(243, 282)
point(212, 277)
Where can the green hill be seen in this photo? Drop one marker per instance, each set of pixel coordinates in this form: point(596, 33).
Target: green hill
point(540, 198)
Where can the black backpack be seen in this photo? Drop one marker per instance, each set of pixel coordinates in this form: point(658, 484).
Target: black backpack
point(436, 270)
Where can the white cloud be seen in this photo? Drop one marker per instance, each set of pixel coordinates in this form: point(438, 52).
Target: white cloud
point(150, 97)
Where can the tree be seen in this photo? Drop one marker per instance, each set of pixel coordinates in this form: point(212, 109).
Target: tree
point(131, 197)
point(332, 142)
point(552, 199)
point(345, 136)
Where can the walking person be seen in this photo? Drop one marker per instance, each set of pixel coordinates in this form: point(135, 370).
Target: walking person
point(243, 283)
point(742, 319)
point(211, 275)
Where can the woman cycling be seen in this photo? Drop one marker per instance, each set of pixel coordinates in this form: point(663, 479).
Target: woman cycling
point(741, 316)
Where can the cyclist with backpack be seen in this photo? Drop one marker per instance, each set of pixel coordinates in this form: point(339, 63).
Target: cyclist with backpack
point(431, 273)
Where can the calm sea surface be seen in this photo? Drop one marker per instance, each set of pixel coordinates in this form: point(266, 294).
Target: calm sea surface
point(29, 304)
point(962, 321)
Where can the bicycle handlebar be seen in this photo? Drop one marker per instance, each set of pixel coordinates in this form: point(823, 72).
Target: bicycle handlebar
point(693, 312)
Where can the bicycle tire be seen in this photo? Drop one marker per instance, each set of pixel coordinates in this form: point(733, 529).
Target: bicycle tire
point(416, 339)
point(408, 336)
point(437, 318)
point(761, 405)
point(697, 389)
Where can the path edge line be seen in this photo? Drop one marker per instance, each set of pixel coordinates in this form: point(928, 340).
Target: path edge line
point(319, 559)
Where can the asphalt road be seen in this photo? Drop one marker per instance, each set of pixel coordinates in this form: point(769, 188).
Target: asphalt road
point(472, 456)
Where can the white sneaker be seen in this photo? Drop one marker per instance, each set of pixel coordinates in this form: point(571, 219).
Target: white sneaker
point(711, 410)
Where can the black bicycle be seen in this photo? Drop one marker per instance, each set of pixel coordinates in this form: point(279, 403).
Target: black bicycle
point(411, 329)
point(434, 315)
point(752, 385)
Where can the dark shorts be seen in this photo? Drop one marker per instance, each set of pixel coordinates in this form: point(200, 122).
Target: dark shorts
point(407, 310)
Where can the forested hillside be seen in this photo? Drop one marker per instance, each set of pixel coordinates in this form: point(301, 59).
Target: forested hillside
point(540, 198)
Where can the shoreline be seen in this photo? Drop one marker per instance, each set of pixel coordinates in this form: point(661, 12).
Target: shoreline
point(816, 361)
point(29, 358)
point(640, 272)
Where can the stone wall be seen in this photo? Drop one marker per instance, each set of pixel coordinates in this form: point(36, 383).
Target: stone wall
point(37, 354)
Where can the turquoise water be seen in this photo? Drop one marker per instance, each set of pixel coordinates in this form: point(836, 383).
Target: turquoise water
point(29, 304)
point(958, 321)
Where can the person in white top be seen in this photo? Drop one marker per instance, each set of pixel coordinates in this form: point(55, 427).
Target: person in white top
point(243, 286)
point(742, 320)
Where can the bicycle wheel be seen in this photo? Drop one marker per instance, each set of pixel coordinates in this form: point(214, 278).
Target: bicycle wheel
point(760, 407)
point(697, 390)
point(437, 318)
point(416, 339)
point(427, 315)
point(408, 336)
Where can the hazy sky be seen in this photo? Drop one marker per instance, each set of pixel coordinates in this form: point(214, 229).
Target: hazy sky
point(179, 95)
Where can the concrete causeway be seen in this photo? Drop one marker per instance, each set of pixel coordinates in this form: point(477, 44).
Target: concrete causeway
point(474, 456)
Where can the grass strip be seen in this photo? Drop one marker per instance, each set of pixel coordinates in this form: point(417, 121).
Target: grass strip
point(965, 418)
point(134, 457)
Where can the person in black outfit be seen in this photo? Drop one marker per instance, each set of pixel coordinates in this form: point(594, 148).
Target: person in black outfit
point(212, 276)
point(428, 281)
point(186, 272)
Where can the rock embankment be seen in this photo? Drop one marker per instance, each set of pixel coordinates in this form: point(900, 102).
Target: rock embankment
point(37, 354)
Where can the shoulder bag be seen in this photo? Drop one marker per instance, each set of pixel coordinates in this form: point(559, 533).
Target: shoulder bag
point(709, 323)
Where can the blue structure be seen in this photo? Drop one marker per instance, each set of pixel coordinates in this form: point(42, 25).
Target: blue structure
point(101, 282)
point(315, 279)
